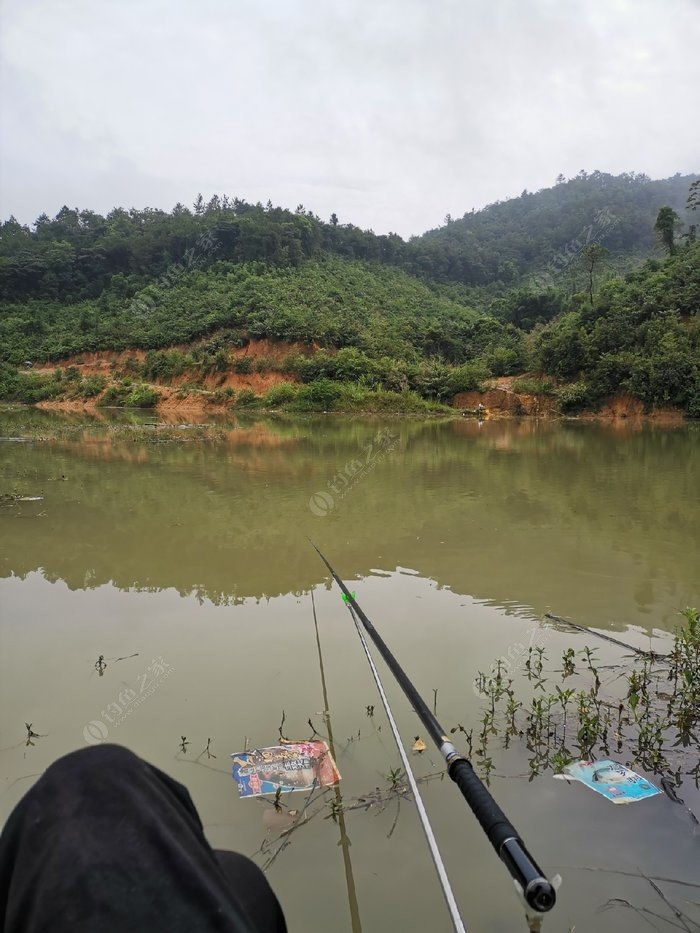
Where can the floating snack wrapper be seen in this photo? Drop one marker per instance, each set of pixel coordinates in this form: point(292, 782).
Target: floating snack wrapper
point(612, 780)
point(299, 766)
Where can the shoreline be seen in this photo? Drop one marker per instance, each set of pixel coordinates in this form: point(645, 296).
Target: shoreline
point(610, 412)
point(191, 394)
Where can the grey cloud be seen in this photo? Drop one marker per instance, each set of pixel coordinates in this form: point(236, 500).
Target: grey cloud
point(388, 113)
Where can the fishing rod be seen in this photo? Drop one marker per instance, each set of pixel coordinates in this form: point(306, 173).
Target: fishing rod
point(537, 891)
point(450, 899)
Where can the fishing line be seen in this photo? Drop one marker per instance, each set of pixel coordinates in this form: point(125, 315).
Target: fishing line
point(422, 813)
point(615, 641)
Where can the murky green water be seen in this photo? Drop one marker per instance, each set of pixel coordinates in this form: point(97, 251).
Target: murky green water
point(457, 539)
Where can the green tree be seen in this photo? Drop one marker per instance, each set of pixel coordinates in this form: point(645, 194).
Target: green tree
point(667, 222)
point(592, 256)
point(692, 204)
point(694, 196)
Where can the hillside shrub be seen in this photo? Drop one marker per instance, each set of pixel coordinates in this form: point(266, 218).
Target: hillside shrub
point(143, 396)
point(128, 396)
point(321, 395)
point(245, 398)
point(576, 397)
point(532, 386)
point(243, 365)
point(468, 377)
point(281, 394)
point(90, 386)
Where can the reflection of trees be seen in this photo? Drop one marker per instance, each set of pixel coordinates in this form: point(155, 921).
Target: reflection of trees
point(566, 517)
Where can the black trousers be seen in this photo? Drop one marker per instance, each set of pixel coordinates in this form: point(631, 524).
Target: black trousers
point(106, 842)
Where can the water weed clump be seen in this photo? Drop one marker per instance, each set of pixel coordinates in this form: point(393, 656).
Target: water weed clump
point(647, 710)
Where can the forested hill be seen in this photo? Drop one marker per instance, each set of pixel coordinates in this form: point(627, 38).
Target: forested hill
point(434, 316)
point(80, 254)
point(535, 234)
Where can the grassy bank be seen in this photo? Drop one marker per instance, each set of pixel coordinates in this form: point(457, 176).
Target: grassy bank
point(319, 395)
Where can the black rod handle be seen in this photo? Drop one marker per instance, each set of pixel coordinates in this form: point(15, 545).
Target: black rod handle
point(538, 892)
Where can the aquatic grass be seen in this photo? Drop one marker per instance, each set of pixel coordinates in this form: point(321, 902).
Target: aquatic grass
point(31, 734)
point(657, 729)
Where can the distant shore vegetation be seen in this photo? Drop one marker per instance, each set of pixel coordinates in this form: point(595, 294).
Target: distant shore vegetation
point(593, 286)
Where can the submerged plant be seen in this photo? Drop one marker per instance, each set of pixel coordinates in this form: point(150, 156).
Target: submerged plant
point(31, 734)
point(569, 666)
point(650, 724)
point(394, 778)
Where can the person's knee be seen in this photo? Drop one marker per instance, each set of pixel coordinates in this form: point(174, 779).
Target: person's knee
point(94, 759)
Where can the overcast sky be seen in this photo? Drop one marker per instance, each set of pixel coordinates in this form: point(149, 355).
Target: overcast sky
point(391, 113)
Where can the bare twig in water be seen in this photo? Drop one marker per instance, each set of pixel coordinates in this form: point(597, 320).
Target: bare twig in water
point(314, 733)
point(282, 738)
point(621, 902)
point(643, 912)
point(677, 912)
point(377, 798)
point(206, 751)
point(396, 818)
point(287, 833)
point(396, 790)
point(630, 874)
point(266, 845)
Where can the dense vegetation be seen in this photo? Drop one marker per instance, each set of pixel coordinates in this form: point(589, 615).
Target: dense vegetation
point(641, 336)
point(537, 235)
point(530, 284)
point(332, 303)
point(78, 254)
